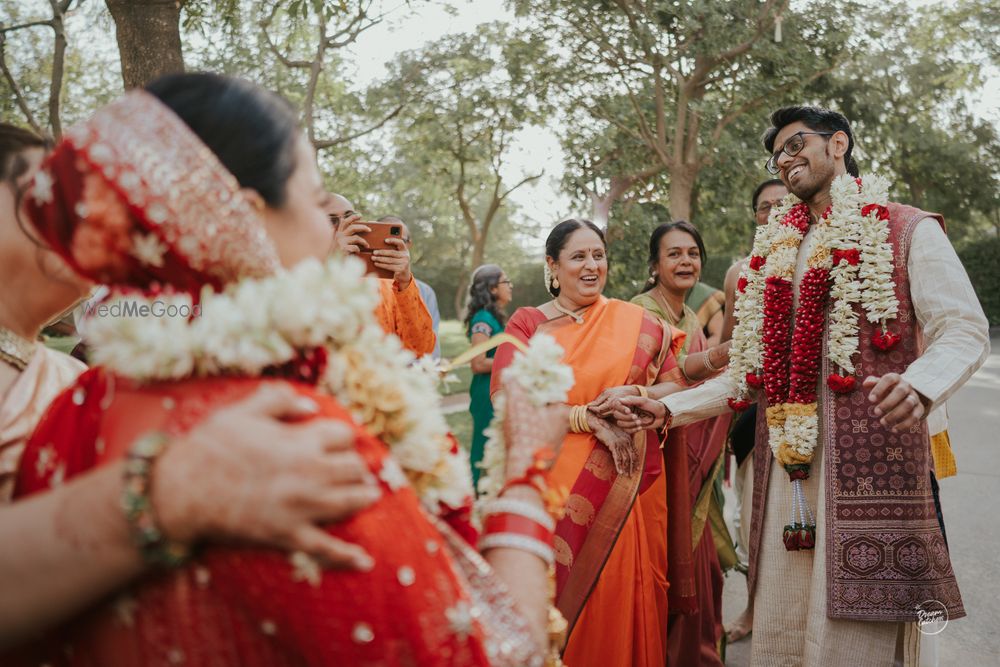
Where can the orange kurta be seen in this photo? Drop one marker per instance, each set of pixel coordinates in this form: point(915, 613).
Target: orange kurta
point(403, 312)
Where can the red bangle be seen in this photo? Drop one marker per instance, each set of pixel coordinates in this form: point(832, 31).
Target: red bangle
point(513, 523)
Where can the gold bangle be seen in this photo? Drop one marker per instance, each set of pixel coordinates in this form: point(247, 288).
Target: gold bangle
point(578, 420)
point(642, 390)
point(708, 362)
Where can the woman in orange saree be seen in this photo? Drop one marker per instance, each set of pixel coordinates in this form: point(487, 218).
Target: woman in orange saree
point(676, 252)
point(214, 297)
point(611, 543)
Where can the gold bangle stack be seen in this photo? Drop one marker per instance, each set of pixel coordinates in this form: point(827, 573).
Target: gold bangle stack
point(578, 420)
point(708, 362)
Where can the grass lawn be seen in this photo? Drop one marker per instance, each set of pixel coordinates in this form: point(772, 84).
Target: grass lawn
point(453, 343)
point(460, 423)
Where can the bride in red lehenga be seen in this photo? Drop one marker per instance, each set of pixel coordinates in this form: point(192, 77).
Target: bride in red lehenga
point(216, 256)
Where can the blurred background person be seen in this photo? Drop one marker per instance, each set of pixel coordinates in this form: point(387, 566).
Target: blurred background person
point(427, 292)
point(36, 287)
point(401, 309)
point(490, 290)
point(708, 304)
point(765, 196)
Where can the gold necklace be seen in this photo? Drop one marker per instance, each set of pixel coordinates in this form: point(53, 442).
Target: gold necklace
point(576, 316)
point(15, 350)
point(666, 304)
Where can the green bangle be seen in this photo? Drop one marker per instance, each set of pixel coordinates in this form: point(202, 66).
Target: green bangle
point(156, 549)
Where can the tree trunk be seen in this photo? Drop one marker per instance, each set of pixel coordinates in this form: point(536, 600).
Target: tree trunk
point(600, 209)
point(149, 39)
point(58, 67)
point(681, 187)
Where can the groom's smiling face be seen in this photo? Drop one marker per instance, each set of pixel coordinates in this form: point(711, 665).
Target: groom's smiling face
point(813, 168)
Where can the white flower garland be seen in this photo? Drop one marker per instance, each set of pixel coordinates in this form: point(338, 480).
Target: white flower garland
point(869, 283)
point(256, 324)
point(540, 371)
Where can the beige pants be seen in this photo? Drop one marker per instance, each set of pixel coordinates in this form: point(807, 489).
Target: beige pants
point(790, 625)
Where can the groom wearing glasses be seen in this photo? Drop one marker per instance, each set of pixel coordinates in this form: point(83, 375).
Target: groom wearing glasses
point(880, 562)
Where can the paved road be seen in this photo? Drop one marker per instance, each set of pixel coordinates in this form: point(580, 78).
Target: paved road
point(971, 504)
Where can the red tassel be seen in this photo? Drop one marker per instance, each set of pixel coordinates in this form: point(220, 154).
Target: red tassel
point(791, 538)
point(885, 340)
point(841, 384)
point(738, 406)
point(807, 538)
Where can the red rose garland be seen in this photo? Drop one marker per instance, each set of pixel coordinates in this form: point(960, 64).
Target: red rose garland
point(784, 358)
point(807, 340)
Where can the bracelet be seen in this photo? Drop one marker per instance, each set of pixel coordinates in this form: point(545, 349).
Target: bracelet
point(517, 525)
point(156, 549)
point(642, 390)
point(578, 419)
point(707, 359)
point(520, 508)
point(519, 542)
point(669, 420)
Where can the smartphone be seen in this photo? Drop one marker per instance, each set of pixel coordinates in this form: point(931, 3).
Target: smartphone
point(376, 238)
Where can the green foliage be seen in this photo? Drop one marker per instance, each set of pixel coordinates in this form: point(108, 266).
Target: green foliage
point(906, 96)
point(470, 95)
point(982, 261)
point(598, 73)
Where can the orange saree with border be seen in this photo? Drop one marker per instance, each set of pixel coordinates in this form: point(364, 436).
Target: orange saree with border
point(611, 545)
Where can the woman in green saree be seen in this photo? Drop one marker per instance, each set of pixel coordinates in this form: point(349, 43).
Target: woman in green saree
point(489, 292)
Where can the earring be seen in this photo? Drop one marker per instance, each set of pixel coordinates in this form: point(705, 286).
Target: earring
point(555, 283)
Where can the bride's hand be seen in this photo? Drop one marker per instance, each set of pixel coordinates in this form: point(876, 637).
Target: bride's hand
point(528, 429)
point(246, 474)
point(618, 442)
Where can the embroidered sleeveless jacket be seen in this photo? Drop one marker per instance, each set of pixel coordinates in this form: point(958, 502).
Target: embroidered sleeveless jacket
point(885, 551)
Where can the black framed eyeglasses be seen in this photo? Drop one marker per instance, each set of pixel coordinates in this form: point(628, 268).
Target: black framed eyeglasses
point(506, 282)
point(793, 146)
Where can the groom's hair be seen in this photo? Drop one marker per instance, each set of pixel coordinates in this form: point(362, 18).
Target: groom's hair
point(817, 119)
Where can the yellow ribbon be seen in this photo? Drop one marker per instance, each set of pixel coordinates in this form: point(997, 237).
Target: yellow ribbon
point(481, 348)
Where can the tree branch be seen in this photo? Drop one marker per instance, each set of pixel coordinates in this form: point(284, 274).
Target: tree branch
point(22, 26)
point(58, 64)
point(282, 58)
point(523, 181)
point(22, 102)
point(329, 143)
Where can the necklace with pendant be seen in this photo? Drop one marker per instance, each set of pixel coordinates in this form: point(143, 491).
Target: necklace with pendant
point(576, 316)
point(15, 350)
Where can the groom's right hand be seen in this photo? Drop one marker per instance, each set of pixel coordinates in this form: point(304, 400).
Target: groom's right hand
point(636, 413)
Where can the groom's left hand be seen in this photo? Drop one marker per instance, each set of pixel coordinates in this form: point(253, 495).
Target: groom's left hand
point(898, 405)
